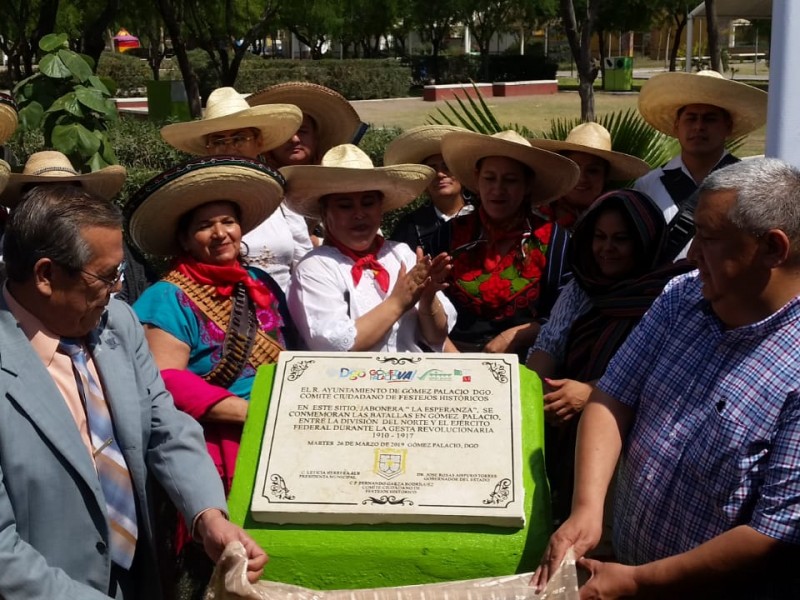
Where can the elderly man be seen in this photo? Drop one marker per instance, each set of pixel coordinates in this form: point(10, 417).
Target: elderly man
point(702, 110)
point(84, 417)
point(703, 403)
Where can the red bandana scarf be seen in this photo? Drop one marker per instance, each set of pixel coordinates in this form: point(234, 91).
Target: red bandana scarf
point(224, 278)
point(363, 260)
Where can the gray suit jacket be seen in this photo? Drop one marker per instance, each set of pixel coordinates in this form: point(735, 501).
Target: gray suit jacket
point(53, 522)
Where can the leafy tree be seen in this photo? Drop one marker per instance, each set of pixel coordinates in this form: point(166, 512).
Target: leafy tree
point(485, 19)
point(70, 104)
point(172, 11)
point(676, 13)
point(434, 20)
point(580, 22)
point(22, 24)
point(313, 22)
point(365, 23)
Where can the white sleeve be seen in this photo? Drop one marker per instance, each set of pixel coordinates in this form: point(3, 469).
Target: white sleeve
point(572, 302)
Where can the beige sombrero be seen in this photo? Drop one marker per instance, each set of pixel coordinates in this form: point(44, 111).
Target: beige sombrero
point(594, 139)
point(417, 144)
point(8, 117)
point(227, 109)
point(50, 166)
point(346, 168)
point(663, 95)
point(336, 119)
point(555, 175)
point(5, 171)
point(154, 211)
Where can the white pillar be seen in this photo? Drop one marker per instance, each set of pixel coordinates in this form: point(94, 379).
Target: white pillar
point(689, 43)
point(467, 40)
point(783, 118)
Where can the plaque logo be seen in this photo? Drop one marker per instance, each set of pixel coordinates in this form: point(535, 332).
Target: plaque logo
point(390, 462)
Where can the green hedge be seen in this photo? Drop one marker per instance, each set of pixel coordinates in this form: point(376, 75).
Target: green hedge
point(131, 74)
point(497, 67)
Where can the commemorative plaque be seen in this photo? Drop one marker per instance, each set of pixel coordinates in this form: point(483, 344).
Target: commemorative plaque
point(358, 437)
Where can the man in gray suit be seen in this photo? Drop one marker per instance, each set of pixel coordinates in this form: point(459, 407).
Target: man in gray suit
point(67, 529)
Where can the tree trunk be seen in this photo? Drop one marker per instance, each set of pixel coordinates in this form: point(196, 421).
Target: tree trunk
point(713, 35)
point(680, 25)
point(179, 46)
point(580, 45)
point(601, 46)
point(93, 40)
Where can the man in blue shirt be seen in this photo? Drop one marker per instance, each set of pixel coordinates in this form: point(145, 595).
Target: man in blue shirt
point(702, 407)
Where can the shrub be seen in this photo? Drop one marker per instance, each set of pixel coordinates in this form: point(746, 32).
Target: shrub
point(498, 67)
point(131, 74)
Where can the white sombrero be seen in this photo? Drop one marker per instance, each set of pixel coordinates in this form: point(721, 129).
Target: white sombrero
point(594, 139)
point(347, 168)
point(227, 109)
point(336, 119)
point(555, 175)
point(663, 95)
point(417, 144)
point(153, 213)
point(8, 117)
point(50, 166)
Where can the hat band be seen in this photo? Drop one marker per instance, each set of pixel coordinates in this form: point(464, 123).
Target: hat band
point(44, 170)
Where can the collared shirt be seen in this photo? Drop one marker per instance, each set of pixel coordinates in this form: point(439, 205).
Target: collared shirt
point(58, 365)
point(573, 302)
point(715, 441)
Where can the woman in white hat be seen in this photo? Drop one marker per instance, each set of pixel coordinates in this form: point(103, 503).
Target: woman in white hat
point(231, 126)
point(589, 146)
point(423, 145)
point(212, 320)
point(499, 251)
point(358, 291)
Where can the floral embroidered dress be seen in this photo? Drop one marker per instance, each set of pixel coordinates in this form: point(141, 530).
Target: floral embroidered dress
point(167, 307)
point(493, 291)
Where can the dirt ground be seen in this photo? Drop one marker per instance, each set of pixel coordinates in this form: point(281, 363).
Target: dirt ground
point(534, 112)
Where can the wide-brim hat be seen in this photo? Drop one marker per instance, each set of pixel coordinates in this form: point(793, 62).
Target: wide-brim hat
point(5, 171)
point(336, 119)
point(663, 95)
point(594, 139)
point(50, 166)
point(155, 209)
point(226, 109)
point(417, 144)
point(8, 117)
point(555, 175)
point(347, 168)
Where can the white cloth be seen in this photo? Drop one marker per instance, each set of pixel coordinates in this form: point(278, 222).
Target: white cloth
point(650, 183)
point(278, 244)
point(572, 303)
point(325, 302)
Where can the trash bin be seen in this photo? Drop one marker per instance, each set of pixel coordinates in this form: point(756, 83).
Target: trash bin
point(167, 100)
point(619, 73)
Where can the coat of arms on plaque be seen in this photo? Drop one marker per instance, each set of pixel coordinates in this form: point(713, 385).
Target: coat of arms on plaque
point(390, 462)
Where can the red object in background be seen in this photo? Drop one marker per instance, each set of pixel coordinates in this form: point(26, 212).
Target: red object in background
point(124, 41)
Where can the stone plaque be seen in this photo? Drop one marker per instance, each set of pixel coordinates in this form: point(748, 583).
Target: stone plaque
point(360, 437)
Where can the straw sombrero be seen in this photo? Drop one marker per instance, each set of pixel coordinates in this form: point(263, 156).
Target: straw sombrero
point(50, 166)
point(5, 171)
point(226, 109)
point(154, 211)
point(555, 174)
point(346, 168)
point(663, 95)
point(594, 139)
point(8, 117)
point(417, 144)
point(336, 119)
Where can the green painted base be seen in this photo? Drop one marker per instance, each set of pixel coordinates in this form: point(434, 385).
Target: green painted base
point(327, 557)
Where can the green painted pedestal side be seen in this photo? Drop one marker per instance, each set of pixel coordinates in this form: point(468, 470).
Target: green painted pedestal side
point(365, 556)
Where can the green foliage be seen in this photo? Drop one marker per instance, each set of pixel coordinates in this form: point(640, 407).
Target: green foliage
point(475, 115)
point(130, 73)
point(71, 105)
point(464, 68)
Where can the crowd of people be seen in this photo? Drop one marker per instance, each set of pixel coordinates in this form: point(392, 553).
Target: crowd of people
point(662, 319)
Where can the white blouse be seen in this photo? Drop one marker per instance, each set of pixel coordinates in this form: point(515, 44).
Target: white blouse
point(325, 303)
point(278, 244)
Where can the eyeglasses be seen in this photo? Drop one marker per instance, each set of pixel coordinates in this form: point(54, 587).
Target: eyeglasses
point(110, 283)
point(237, 141)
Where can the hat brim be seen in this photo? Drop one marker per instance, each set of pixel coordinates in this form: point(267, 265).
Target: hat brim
point(5, 172)
point(399, 184)
point(555, 175)
point(622, 167)
point(417, 144)
point(277, 123)
point(155, 210)
point(664, 94)
point(336, 119)
point(105, 183)
point(8, 122)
